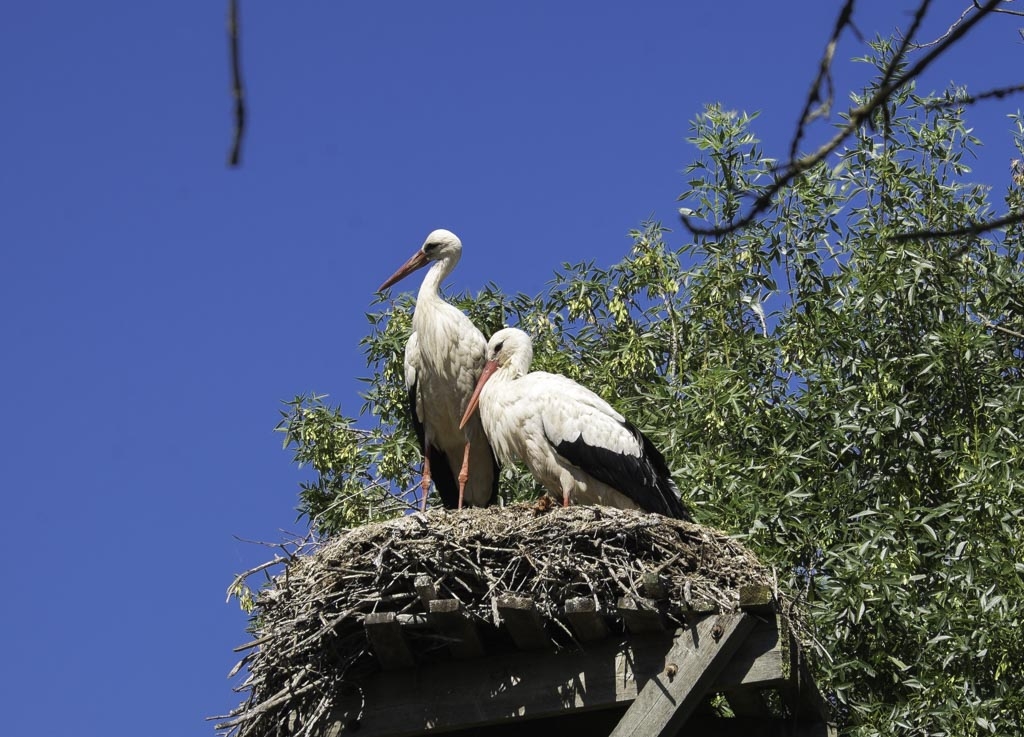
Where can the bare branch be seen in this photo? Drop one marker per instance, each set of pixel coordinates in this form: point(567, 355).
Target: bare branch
point(856, 117)
point(945, 35)
point(237, 88)
point(824, 76)
point(1000, 328)
point(984, 226)
point(901, 52)
point(998, 93)
point(1019, 13)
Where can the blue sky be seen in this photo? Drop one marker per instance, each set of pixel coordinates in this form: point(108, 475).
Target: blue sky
point(156, 306)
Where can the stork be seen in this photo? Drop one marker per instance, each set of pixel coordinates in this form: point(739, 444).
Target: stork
point(443, 358)
point(573, 442)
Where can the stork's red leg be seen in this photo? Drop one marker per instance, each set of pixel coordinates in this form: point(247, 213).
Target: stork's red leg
point(425, 482)
point(463, 474)
point(565, 498)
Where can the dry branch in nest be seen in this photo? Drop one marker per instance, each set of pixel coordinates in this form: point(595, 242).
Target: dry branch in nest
point(310, 645)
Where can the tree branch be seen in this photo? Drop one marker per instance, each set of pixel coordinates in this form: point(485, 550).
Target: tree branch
point(824, 75)
point(978, 228)
point(998, 93)
point(237, 88)
point(856, 117)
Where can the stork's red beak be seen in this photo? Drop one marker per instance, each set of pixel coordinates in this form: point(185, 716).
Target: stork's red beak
point(489, 368)
point(418, 261)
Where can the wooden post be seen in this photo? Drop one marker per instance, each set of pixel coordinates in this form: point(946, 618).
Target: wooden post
point(425, 590)
point(389, 645)
point(451, 621)
point(641, 615)
point(520, 615)
point(692, 665)
point(586, 621)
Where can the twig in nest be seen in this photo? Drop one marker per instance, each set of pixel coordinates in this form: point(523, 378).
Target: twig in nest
point(308, 621)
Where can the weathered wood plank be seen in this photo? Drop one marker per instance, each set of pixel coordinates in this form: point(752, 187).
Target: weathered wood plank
point(641, 616)
point(451, 621)
point(757, 600)
point(520, 616)
point(802, 693)
point(749, 727)
point(692, 666)
point(387, 640)
point(501, 688)
point(425, 589)
point(586, 621)
point(747, 702)
point(652, 586)
point(697, 606)
point(759, 662)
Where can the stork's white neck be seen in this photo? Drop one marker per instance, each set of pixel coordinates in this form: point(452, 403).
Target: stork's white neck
point(431, 286)
point(518, 366)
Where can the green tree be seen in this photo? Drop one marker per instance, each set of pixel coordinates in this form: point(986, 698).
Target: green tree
point(844, 399)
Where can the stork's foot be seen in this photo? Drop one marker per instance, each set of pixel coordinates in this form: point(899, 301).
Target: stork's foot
point(463, 474)
point(425, 484)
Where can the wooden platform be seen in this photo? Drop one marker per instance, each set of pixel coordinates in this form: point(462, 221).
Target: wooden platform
point(629, 673)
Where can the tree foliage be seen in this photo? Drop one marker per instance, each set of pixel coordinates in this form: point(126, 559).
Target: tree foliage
point(845, 401)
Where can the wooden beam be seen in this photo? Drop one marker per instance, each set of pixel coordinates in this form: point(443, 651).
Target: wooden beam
point(586, 621)
point(802, 694)
point(748, 727)
point(454, 625)
point(697, 606)
point(387, 640)
point(748, 702)
point(757, 600)
point(760, 662)
point(520, 616)
point(692, 666)
point(641, 616)
point(425, 589)
point(652, 586)
point(479, 692)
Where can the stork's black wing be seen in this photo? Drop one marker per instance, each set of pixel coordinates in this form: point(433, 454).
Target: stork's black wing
point(645, 478)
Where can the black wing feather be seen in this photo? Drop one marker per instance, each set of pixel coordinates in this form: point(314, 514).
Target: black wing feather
point(440, 472)
point(644, 479)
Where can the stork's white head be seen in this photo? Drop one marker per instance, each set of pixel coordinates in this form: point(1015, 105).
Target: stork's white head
point(440, 245)
point(509, 350)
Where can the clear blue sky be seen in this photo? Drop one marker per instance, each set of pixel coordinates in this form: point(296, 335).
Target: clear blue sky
point(156, 306)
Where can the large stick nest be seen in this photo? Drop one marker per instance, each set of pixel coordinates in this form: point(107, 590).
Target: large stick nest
point(308, 621)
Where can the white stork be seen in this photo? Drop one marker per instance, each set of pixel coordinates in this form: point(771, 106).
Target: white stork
point(573, 442)
point(443, 358)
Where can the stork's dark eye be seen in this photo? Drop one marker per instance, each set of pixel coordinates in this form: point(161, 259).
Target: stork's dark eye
point(497, 348)
point(431, 247)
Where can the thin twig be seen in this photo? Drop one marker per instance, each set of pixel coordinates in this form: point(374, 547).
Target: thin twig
point(824, 75)
point(949, 30)
point(237, 88)
point(1011, 218)
point(957, 100)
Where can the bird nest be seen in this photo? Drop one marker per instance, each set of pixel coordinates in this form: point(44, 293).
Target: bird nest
point(308, 622)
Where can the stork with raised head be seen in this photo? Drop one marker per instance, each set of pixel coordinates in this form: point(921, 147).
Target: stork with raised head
point(573, 442)
point(443, 359)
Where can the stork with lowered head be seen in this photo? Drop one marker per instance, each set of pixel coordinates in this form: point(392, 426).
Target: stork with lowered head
point(575, 444)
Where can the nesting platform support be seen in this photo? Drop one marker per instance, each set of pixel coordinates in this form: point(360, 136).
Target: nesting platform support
point(650, 680)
